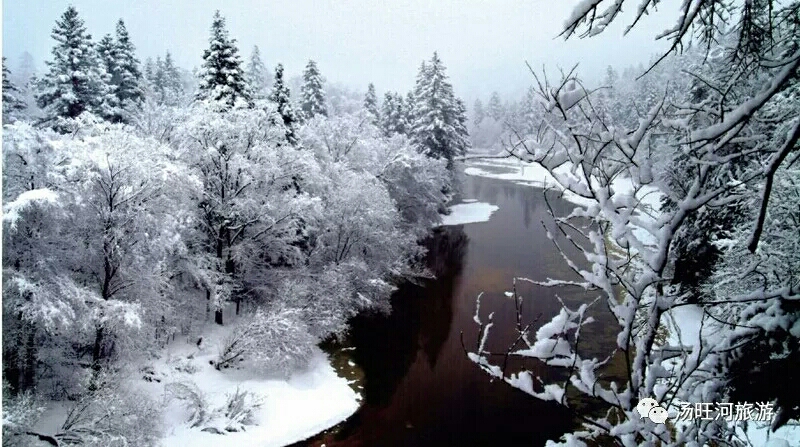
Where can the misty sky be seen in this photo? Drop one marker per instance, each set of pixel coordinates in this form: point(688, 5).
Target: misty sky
point(484, 44)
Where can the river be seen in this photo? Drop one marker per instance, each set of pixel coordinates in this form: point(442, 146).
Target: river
point(420, 389)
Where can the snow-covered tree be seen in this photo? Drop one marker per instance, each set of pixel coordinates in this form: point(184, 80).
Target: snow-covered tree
point(107, 53)
point(312, 95)
point(249, 209)
point(439, 124)
point(12, 103)
point(76, 80)
point(393, 114)
point(166, 82)
point(92, 221)
point(257, 75)
point(478, 114)
point(222, 77)
point(495, 107)
point(371, 104)
point(126, 77)
point(738, 133)
point(282, 98)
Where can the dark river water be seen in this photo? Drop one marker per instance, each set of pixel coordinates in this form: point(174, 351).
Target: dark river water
point(421, 390)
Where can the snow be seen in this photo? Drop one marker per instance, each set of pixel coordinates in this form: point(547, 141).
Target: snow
point(12, 210)
point(786, 436)
point(293, 409)
point(466, 213)
point(684, 324)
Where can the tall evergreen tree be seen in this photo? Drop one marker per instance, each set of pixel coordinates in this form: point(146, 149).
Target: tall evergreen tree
point(371, 104)
point(107, 54)
point(410, 107)
point(312, 95)
point(528, 112)
point(172, 84)
point(393, 114)
point(149, 70)
point(439, 125)
point(12, 104)
point(127, 78)
point(478, 114)
point(281, 96)
point(257, 75)
point(75, 81)
point(496, 107)
point(221, 76)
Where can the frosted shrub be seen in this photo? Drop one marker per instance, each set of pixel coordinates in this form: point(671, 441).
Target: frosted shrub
point(193, 400)
point(240, 410)
point(112, 416)
point(280, 341)
point(20, 413)
point(275, 341)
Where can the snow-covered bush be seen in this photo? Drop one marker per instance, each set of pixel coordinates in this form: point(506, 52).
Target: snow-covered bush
point(20, 413)
point(274, 341)
point(112, 415)
point(240, 410)
point(193, 400)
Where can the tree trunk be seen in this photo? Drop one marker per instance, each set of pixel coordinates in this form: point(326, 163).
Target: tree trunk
point(97, 353)
point(208, 302)
point(218, 316)
point(29, 377)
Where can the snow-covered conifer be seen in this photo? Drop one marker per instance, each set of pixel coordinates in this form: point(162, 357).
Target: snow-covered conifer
point(221, 75)
point(496, 107)
point(12, 104)
point(281, 97)
point(75, 82)
point(478, 114)
point(257, 75)
point(312, 95)
point(439, 124)
point(127, 77)
point(371, 104)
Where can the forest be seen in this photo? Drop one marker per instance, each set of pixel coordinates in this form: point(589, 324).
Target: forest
point(185, 251)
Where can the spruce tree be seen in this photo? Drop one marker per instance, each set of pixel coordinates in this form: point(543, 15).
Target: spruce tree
point(528, 112)
point(107, 54)
point(496, 107)
point(75, 81)
point(257, 75)
point(149, 70)
point(127, 78)
point(371, 104)
point(12, 104)
point(478, 114)
point(393, 114)
point(439, 128)
point(410, 107)
point(281, 97)
point(387, 123)
point(221, 76)
point(312, 96)
point(171, 80)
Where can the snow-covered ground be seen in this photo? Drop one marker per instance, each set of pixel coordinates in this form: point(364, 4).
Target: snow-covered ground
point(293, 409)
point(470, 212)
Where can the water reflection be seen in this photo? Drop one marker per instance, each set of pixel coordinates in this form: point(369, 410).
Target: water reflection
point(420, 388)
point(420, 320)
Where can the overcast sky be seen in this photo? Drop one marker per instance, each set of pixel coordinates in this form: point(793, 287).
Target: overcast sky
point(484, 44)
